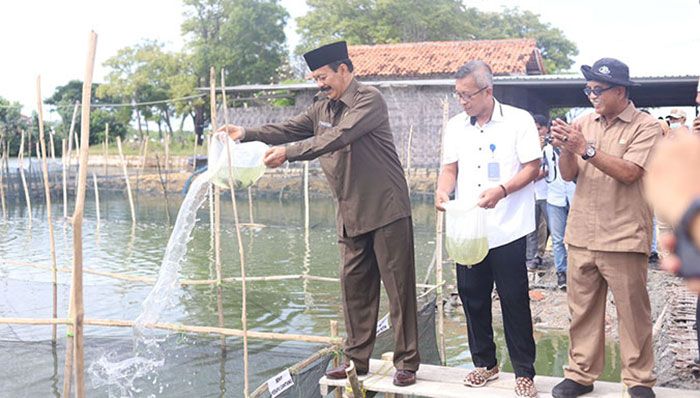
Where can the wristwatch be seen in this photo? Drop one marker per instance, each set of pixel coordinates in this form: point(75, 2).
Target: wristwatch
point(686, 250)
point(590, 152)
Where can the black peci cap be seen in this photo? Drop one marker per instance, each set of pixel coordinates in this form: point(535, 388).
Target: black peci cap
point(327, 54)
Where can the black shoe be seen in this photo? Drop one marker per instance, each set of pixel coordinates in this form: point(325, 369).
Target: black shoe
point(570, 389)
point(641, 392)
point(561, 280)
point(654, 257)
point(339, 372)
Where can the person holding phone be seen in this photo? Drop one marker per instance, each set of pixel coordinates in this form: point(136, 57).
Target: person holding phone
point(608, 231)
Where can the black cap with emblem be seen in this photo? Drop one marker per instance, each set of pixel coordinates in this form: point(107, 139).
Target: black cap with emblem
point(327, 54)
point(609, 70)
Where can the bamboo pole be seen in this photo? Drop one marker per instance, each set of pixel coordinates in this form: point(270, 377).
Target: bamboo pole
point(250, 206)
point(212, 107)
point(77, 308)
point(440, 217)
point(217, 218)
point(2, 182)
point(106, 146)
point(97, 202)
point(64, 161)
point(194, 154)
point(192, 282)
point(408, 150)
point(241, 254)
point(52, 135)
point(336, 359)
point(47, 193)
point(69, 139)
point(20, 158)
point(167, 159)
point(179, 328)
point(354, 381)
point(126, 178)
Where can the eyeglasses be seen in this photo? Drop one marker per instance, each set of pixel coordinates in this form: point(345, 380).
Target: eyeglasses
point(465, 96)
point(596, 90)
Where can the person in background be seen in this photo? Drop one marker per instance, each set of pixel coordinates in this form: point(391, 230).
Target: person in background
point(673, 187)
point(491, 155)
point(537, 239)
point(676, 121)
point(609, 231)
point(560, 194)
point(347, 128)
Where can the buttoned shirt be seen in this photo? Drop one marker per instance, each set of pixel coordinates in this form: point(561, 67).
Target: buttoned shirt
point(353, 141)
point(608, 215)
point(559, 192)
point(510, 140)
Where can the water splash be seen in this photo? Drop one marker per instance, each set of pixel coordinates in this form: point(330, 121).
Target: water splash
point(119, 372)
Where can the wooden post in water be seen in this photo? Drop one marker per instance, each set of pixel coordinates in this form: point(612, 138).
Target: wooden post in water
point(217, 215)
point(128, 184)
point(106, 146)
point(167, 160)
point(47, 193)
point(336, 359)
point(52, 135)
point(408, 151)
point(212, 107)
point(2, 181)
point(77, 310)
point(440, 217)
point(241, 255)
point(69, 138)
point(194, 154)
point(97, 202)
point(64, 163)
point(20, 159)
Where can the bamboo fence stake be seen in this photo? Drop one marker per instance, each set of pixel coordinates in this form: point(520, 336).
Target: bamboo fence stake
point(52, 135)
point(2, 182)
point(97, 202)
point(241, 254)
point(217, 214)
point(167, 159)
point(47, 193)
point(210, 193)
point(250, 206)
point(408, 150)
point(126, 178)
point(194, 155)
point(440, 217)
point(38, 158)
point(106, 146)
point(212, 107)
point(20, 158)
point(64, 161)
point(69, 138)
point(77, 310)
point(336, 359)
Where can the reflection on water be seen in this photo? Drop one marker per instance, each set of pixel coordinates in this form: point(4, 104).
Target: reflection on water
point(281, 248)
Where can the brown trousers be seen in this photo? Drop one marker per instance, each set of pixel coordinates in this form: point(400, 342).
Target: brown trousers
point(588, 277)
point(386, 253)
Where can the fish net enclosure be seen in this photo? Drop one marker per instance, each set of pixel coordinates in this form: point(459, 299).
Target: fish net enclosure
point(175, 364)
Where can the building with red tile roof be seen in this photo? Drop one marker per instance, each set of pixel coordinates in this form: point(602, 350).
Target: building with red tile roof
point(441, 59)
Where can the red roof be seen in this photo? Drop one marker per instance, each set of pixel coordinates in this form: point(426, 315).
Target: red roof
point(443, 58)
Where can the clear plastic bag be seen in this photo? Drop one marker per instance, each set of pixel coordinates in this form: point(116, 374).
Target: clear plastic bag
point(246, 162)
point(466, 241)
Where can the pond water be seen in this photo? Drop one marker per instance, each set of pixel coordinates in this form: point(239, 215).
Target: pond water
point(290, 306)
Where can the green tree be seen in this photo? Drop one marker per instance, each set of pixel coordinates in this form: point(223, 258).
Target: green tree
point(244, 37)
point(12, 123)
point(64, 99)
point(396, 21)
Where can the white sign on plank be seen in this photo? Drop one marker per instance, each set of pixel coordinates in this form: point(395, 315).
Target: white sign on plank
point(280, 383)
point(383, 325)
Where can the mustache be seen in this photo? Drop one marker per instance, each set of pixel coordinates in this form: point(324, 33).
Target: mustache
point(325, 89)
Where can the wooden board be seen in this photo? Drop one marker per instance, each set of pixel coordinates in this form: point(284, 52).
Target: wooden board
point(443, 382)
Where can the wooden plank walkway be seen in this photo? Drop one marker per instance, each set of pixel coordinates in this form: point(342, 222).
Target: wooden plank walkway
point(443, 382)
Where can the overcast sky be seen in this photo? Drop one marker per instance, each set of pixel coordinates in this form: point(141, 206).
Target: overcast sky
point(50, 37)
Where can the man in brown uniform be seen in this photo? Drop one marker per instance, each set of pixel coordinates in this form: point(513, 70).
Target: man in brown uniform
point(347, 128)
point(609, 231)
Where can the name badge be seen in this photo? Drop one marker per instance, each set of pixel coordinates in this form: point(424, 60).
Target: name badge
point(325, 125)
point(494, 169)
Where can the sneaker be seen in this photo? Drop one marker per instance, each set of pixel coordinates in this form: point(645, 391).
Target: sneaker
point(531, 265)
point(479, 376)
point(641, 392)
point(570, 389)
point(525, 388)
point(561, 280)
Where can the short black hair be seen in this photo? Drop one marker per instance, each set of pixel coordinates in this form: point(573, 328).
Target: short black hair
point(335, 65)
point(541, 120)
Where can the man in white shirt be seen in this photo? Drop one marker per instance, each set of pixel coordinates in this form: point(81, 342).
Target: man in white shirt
point(491, 154)
point(560, 193)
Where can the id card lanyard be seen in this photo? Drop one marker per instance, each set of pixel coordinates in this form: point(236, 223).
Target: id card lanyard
point(494, 168)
